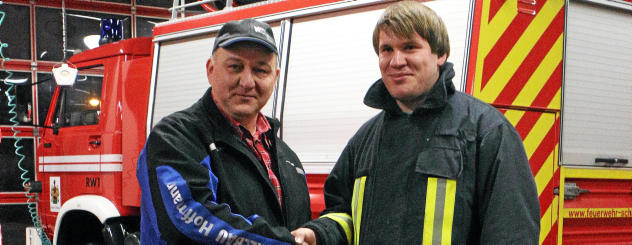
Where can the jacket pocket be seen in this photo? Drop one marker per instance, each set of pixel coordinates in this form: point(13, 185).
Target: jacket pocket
point(442, 162)
point(441, 158)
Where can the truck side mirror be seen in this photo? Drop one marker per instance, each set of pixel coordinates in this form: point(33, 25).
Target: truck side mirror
point(65, 75)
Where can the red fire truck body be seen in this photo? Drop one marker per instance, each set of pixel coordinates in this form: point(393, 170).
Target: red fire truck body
point(94, 165)
point(87, 160)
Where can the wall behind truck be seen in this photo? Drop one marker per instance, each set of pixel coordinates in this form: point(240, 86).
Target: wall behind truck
point(33, 32)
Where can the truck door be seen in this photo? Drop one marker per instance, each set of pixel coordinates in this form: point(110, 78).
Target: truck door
point(74, 147)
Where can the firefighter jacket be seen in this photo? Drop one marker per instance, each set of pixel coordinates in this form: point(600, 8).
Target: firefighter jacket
point(452, 172)
point(200, 183)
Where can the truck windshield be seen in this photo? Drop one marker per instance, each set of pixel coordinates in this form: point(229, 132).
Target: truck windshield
point(80, 104)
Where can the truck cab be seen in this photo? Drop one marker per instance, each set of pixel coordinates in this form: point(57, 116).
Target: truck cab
point(87, 160)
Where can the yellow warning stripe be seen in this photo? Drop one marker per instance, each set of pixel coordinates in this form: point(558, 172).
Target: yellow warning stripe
point(448, 215)
point(557, 100)
point(439, 212)
point(596, 173)
point(556, 157)
point(356, 207)
point(554, 214)
point(560, 204)
point(554, 209)
point(431, 193)
point(545, 223)
point(514, 116)
point(344, 220)
point(519, 51)
point(541, 75)
point(537, 133)
point(544, 176)
point(495, 28)
point(550, 216)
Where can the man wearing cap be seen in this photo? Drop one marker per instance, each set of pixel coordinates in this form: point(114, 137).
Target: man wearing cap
point(215, 173)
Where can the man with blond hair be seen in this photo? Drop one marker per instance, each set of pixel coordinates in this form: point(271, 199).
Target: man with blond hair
point(436, 166)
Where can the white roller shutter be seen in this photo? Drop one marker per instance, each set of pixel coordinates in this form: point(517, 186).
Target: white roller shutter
point(597, 95)
point(332, 65)
point(181, 76)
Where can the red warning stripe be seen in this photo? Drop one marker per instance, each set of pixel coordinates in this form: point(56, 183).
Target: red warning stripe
point(546, 198)
point(551, 87)
point(551, 238)
point(526, 122)
point(547, 145)
point(494, 6)
point(476, 32)
point(530, 64)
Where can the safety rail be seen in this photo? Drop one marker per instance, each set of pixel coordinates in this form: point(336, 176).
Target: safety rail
point(179, 6)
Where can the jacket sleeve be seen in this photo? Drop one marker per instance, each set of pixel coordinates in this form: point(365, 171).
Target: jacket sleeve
point(509, 208)
point(178, 196)
point(335, 225)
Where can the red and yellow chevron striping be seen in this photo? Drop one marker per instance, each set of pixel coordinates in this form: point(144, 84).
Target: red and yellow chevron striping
point(516, 65)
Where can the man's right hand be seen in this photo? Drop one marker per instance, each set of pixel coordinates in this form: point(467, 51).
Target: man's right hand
point(304, 236)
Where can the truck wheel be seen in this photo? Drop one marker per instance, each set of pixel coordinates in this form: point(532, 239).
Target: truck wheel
point(80, 227)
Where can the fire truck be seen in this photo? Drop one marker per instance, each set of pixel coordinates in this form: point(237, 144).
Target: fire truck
point(559, 70)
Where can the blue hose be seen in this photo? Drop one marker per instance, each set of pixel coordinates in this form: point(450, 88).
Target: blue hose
point(31, 197)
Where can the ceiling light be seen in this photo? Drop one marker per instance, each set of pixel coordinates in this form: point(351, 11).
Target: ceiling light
point(16, 80)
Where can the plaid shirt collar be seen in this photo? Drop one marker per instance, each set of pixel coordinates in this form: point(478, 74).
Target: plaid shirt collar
point(262, 127)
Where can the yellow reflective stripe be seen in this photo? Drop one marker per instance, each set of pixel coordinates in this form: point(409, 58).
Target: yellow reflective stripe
point(431, 193)
point(356, 207)
point(344, 220)
point(448, 215)
point(439, 213)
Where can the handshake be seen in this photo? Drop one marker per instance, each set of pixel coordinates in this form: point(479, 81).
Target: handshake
point(304, 236)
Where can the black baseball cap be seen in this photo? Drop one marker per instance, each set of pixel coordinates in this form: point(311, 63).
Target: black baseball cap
point(246, 30)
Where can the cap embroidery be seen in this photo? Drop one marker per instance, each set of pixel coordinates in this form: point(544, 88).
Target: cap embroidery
point(259, 29)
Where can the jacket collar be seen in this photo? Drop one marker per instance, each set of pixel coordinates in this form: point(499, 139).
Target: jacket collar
point(379, 98)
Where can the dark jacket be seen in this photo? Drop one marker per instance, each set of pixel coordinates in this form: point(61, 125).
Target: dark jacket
point(454, 171)
point(200, 183)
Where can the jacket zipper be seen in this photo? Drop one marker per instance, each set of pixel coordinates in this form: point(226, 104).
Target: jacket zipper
point(368, 199)
point(281, 182)
point(255, 161)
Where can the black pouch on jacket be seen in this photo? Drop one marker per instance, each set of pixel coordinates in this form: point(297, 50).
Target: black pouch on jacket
point(442, 157)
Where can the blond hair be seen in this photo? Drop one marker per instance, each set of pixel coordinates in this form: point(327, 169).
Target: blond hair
point(404, 18)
